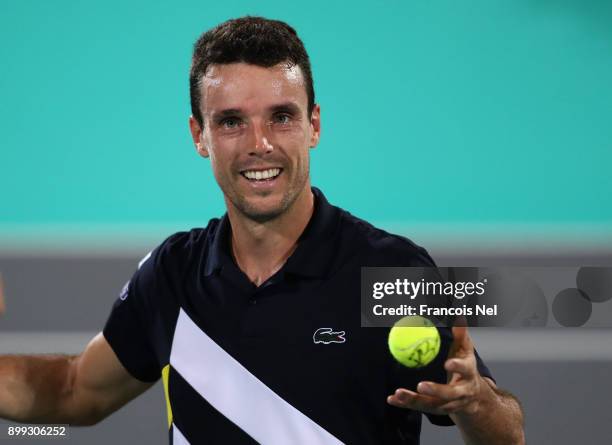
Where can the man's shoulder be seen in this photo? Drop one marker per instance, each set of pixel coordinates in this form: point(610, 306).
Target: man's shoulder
point(193, 237)
point(379, 245)
point(183, 246)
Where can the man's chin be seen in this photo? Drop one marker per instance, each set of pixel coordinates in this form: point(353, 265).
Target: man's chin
point(263, 207)
point(262, 210)
point(262, 215)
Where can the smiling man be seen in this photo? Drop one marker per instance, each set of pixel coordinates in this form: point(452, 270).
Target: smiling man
point(253, 322)
point(257, 125)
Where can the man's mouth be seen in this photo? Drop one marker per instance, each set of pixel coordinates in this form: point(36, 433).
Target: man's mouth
point(261, 175)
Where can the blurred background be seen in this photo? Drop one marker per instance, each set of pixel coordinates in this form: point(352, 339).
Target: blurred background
point(479, 129)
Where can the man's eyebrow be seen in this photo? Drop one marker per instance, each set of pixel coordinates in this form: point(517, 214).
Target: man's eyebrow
point(290, 107)
point(227, 112)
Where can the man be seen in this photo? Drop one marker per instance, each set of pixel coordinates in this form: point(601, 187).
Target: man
point(253, 322)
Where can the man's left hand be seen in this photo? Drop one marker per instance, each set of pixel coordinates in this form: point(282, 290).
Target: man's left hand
point(464, 388)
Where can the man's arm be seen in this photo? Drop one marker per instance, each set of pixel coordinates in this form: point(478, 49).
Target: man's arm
point(75, 390)
point(483, 413)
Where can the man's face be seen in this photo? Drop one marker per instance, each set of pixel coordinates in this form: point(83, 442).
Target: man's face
point(257, 133)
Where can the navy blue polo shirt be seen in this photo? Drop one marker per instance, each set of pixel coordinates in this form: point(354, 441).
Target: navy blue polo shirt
point(283, 363)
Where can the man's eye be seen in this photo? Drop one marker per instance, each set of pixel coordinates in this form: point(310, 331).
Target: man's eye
point(282, 118)
point(230, 122)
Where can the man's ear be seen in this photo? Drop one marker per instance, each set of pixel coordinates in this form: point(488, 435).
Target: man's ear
point(315, 124)
point(198, 137)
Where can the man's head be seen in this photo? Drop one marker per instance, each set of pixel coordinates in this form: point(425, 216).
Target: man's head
point(253, 40)
point(253, 113)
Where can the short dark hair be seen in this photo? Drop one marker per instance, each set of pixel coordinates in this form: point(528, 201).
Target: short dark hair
point(254, 40)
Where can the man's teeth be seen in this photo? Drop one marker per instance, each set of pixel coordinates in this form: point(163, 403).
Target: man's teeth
point(262, 174)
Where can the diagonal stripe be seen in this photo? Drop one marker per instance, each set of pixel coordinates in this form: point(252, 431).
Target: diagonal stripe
point(165, 374)
point(238, 394)
point(177, 436)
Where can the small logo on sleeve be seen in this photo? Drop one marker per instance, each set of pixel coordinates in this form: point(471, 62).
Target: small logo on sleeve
point(124, 292)
point(327, 336)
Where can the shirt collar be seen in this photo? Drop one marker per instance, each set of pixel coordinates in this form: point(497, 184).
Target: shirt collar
point(313, 254)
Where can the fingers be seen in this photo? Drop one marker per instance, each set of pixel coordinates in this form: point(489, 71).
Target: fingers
point(466, 367)
point(403, 398)
point(446, 393)
point(462, 345)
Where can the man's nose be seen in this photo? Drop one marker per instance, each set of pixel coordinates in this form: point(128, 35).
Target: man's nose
point(261, 143)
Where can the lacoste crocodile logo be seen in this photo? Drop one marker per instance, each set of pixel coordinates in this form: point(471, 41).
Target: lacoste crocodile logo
point(327, 336)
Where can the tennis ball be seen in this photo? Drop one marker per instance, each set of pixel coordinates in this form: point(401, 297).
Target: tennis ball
point(414, 341)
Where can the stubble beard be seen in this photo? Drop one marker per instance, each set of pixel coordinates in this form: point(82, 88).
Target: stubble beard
point(254, 213)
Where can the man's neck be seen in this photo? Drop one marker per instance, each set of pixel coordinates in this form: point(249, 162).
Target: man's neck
point(261, 249)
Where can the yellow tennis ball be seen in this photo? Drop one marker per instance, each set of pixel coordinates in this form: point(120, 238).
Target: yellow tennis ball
point(414, 341)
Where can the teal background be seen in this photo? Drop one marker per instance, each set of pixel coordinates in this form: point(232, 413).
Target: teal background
point(473, 113)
